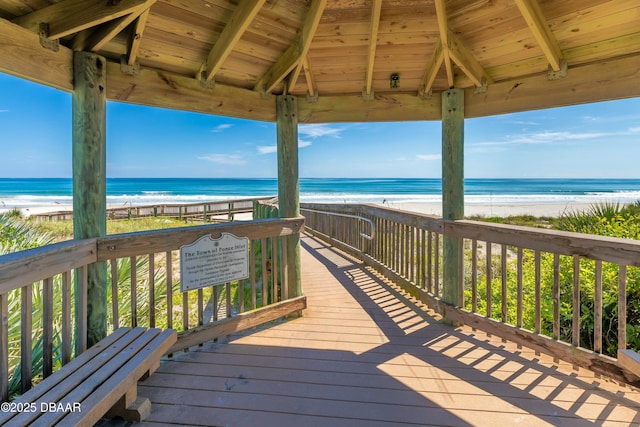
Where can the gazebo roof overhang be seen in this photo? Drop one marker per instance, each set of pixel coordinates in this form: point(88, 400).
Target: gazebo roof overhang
point(346, 60)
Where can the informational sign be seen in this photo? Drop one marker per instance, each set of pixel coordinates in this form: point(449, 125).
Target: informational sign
point(209, 261)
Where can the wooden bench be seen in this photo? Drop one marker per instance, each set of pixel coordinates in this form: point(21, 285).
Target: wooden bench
point(101, 382)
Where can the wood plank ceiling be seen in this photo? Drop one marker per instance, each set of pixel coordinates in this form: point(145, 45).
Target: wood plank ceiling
point(346, 59)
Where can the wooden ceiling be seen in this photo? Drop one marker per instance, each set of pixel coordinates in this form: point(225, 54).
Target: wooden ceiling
point(346, 60)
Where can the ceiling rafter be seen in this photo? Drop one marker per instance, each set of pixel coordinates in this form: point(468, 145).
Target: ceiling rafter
point(291, 60)
point(532, 14)
point(312, 89)
point(136, 37)
point(72, 16)
point(443, 28)
point(242, 17)
point(454, 50)
point(432, 70)
point(94, 39)
point(376, 6)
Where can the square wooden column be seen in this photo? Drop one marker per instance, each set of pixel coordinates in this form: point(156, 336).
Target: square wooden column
point(288, 182)
point(89, 187)
point(452, 190)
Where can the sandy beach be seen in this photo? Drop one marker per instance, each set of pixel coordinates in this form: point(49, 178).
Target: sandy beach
point(499, 210)
point(470, 209)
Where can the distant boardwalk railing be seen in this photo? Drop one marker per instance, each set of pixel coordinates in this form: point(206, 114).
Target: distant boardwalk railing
point(208, 212)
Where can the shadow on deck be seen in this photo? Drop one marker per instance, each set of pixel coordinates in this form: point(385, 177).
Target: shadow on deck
point(363, 354)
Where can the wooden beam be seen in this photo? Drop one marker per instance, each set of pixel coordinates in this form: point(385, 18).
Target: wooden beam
point(292, 58)
point(443, 28)
point(432, 69)
point(516, 95)
point(242, 17)
point(383, 108)
point(532, 14)
point(136, 37)
point(89, 177)
point(308, 75)
point(71, 16)
point(376, 6)
point(467, 63)
point(288, 182)
point(584, 84)
point(22, 55)
point(167, 90)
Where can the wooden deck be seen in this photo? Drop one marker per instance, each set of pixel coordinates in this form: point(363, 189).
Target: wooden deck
point(360, 356)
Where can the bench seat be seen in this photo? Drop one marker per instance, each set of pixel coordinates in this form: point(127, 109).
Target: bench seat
point(100, 382)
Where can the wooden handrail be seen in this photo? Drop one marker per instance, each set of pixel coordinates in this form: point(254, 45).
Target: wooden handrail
point(59, 272)
point(408, 250)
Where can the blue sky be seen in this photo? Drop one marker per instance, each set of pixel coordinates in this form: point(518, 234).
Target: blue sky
point(596, 140)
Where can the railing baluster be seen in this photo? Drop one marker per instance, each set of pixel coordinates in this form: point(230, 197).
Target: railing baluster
point(169, 268)
point(285, 269)
point(152, 290)
point(265, 291)
point(622, 307)
point(538, 292)
point(489, 274)
point(275, 272)
point(4, 347)
point(185, 311)
point(66, 318)
point(47, 327)
point(436, 262)
point(228, 299)
point(252, 272)
point(114, 294)
point(520, 293)
point(26, 332)
point(575, 321)
point(556, 296)
point(81, 309)
point(597, 309)
point(503, 259)
point(200, 307)
point(430, 258)
point(474, 276)
point(134, 288)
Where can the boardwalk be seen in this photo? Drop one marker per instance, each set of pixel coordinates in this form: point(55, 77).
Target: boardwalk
point(360, 356)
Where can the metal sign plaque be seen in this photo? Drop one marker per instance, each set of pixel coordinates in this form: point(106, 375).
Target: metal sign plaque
point(209, 261)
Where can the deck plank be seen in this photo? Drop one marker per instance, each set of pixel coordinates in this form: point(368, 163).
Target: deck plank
point(360, 356)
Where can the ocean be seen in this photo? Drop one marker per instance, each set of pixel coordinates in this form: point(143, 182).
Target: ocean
point(37, 192)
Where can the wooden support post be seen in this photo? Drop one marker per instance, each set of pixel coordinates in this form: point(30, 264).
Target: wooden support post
point(89, 179)
point(452, 189)
point(288, 182)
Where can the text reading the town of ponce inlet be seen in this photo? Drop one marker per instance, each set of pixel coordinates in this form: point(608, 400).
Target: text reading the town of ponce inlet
point(209, 261)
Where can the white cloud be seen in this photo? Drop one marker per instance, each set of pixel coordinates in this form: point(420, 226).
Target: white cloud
point(546, 137)
point(225, 159)
point(4, 111)
point(221, 127)
point(429, 157)
point(318, 130)
point(267, 149)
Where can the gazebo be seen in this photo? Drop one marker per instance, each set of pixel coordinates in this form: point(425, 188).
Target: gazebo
point(316, 61)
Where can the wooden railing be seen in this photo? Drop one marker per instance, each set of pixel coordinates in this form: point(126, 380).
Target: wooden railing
point(560, 293)
point(43, 293)
point(209, 211)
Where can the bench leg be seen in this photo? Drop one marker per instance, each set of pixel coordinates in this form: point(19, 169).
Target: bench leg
point(131, 407)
